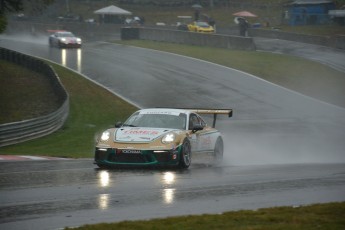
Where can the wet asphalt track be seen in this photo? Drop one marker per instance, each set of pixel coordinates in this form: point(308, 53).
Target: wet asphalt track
point(296, 143)
point(53, 194)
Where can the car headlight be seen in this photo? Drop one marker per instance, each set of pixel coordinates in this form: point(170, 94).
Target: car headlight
point(168, 138)
point(78, 40)
point(105, 136)
point(63, 39)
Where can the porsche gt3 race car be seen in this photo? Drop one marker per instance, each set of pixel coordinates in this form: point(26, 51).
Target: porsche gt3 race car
point(64, 39)
point(160, 137)
point(201, 27)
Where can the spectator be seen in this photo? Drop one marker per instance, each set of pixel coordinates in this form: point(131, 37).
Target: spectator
point(212, 23)
point(197, 15)
point(243, 26)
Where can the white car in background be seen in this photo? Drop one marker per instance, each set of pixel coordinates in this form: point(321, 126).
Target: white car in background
point(64, 39)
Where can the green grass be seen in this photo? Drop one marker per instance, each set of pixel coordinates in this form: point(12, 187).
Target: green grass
point(92, 109)
point(31, 97)
point(320, 216)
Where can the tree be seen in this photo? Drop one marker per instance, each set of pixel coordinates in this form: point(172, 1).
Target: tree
point(8, 6)
point(30, 6)
point(340, 3)
point(35, 7)
point(3, 23)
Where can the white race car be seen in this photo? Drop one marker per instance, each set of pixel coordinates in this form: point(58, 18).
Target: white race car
point(64, 39)
point(160, 136)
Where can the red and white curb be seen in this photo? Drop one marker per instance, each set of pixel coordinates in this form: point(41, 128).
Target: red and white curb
point(26, 158)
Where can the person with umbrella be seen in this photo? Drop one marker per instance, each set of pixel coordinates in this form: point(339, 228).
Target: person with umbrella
point(243, 24)
point(197, 8)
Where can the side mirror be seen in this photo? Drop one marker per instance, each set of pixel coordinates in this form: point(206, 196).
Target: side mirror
point(118, 124)
point(197, 128)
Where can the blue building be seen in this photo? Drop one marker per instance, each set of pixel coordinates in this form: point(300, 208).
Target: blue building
point(309, 12)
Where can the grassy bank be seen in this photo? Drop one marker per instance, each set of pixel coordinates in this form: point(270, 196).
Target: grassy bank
point(24, 94)
point(92, 109)
point(320, 216)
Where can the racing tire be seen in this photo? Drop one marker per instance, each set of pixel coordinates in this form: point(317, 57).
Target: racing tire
point(186, 155)
point(218, 151)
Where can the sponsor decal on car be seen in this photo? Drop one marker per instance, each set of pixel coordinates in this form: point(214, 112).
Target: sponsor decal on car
point(130, 151)
point(141, 132)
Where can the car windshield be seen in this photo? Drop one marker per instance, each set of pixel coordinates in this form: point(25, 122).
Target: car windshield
point(65, 35)
point(156, 120)
point(202, 24)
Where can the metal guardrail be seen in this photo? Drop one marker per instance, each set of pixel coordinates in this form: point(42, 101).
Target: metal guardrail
point(16, 132)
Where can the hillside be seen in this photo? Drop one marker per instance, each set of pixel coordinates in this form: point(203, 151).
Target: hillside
point(24, 94)
point(269, 12)
point(221, 11)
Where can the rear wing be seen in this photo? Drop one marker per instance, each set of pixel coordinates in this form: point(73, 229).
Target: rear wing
point(215, 112)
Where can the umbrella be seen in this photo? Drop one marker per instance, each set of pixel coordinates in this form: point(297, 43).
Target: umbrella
point(196, 6)
point(244, 14)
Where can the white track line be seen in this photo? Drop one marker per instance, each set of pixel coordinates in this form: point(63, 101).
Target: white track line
point(23, 158)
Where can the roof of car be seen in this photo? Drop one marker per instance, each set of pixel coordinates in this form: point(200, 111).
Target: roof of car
point(165, 110)
point(187, 111)
point(64, 32)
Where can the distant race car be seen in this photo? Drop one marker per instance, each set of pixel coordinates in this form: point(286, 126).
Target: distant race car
point(64, 39)
point(160, 137)
point(201, 27)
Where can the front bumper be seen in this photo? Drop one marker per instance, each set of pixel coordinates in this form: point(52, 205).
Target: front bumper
point(206, 31)
point(69, 44)
point(113, 157)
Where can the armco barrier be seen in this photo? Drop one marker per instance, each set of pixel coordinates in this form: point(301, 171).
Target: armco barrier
point(193, 38)
point(16, 132)
point(87, 31)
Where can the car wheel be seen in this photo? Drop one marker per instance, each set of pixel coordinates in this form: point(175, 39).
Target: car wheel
point(185, 156)
point(218, 151)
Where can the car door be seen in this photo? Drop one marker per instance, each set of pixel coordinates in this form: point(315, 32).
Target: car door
point(200, 140)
